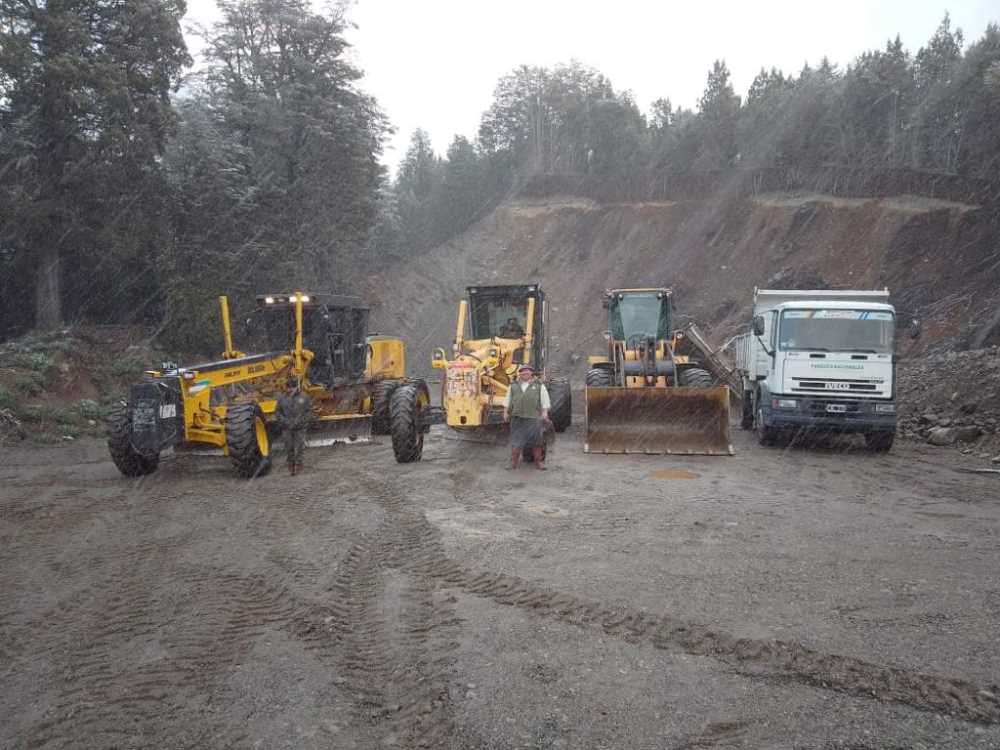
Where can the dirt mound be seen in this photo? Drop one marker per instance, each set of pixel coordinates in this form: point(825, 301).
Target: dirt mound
point(953, 398)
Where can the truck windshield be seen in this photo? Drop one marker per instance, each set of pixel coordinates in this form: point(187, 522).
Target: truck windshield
point(862, 331)
point(633, 314)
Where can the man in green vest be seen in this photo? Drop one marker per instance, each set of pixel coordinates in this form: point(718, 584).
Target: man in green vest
point(526, 407)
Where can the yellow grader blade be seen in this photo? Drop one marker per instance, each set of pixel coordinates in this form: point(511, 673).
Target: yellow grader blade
point(348, 428)
point(684, 421)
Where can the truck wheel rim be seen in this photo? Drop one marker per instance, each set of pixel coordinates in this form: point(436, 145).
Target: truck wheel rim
point(260, 431)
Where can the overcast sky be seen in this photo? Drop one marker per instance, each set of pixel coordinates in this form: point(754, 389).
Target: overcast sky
point(434, 63)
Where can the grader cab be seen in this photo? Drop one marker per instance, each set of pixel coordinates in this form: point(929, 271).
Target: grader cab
point(499, 328)
point(650, 394)
point(320, 343)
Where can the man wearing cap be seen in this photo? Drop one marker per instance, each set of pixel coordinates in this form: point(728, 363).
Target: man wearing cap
point(527, 408)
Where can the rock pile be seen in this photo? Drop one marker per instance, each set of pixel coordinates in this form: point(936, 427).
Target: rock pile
point(952, 398)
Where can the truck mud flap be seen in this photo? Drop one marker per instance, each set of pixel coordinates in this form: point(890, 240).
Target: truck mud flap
point(681, 421)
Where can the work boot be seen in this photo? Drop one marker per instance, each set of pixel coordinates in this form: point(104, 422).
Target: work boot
point(515, 459)
point(292, 468)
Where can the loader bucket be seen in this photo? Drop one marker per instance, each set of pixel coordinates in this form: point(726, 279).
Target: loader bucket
point(684, 421)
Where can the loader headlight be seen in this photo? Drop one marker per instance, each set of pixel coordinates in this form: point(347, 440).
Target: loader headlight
point(784, 403)
point(885, 408)
point(269, 300)
point(304, 297)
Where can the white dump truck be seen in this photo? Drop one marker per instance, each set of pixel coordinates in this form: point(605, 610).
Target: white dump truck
point(822, 360)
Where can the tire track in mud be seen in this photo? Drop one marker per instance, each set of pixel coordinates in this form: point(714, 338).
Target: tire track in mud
point(754, 658)
point(394, 628)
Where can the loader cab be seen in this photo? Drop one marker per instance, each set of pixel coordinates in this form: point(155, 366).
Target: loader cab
point(638, 314)
point(334, 329)
point(501, 312)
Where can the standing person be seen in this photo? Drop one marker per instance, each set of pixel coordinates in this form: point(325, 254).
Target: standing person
point(527, 408)
point(294, 413)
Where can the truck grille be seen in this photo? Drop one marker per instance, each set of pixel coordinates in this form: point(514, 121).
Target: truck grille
point(814, 385)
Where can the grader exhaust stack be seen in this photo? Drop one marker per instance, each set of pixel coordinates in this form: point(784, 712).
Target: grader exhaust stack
point(646, 396)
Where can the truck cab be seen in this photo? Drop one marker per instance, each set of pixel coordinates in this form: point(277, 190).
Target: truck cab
point(822, 361)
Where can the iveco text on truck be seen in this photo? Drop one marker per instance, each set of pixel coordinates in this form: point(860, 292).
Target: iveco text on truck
point(820, 360)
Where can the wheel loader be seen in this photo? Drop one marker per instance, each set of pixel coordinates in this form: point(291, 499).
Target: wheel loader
point(357, 384)
point(649, 393)
point(499, 328)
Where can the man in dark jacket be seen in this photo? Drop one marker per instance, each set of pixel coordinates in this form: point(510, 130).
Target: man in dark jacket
point(527, 408)
point(295, 413)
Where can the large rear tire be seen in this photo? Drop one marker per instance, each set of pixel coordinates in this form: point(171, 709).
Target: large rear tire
point(406, 411)
point(130, 462)
point(381, 397)
point(248, 440)
point(695, 377)
point(599, 377)
point(561, 399)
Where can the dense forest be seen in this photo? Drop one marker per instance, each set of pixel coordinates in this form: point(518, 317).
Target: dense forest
point(135, 186)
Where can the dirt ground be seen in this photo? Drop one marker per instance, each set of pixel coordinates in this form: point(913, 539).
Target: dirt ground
point(781, 598)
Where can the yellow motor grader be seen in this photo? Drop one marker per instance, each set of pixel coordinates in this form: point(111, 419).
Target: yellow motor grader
point(499, 328)
point(651, 393)
point(357, 384)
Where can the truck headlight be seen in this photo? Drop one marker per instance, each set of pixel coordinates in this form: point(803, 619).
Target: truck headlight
point(784, 403)
point(885, 408)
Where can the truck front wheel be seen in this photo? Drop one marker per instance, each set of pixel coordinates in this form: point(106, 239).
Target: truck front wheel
point(746, 419)
point(765, 435)
point(879, 442)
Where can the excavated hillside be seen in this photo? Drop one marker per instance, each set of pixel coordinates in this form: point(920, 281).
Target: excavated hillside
point(939, 258)
point(937, 253)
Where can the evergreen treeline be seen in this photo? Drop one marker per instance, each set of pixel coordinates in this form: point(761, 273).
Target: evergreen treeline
point(131, 194)
point(936, 110)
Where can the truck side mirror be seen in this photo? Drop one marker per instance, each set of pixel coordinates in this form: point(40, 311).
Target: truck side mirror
point(758, 325)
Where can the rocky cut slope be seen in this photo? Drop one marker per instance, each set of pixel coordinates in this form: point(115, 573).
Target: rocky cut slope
point(713, 241)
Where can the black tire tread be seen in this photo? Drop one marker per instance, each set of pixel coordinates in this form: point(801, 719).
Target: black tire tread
point(407, 432)
point(695, 377)
point(561, 397)
point(381, 396)
point(241, 441)
point(879, 442)
point(599, 377)
point(129, 462)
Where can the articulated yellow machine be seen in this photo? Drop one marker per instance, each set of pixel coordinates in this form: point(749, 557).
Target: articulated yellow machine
point(357, 384)
point(645, 396)
point(508, 327)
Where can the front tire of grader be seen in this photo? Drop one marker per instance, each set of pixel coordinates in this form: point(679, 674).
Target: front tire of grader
point(248, 441)
point(381, 398)
point(560, 396)
point(130, 462)
point(406, 412)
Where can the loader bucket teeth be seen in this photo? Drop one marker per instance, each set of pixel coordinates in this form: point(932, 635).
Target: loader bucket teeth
point(684, 421)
